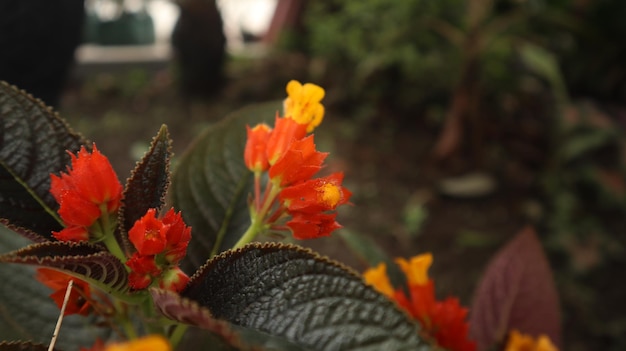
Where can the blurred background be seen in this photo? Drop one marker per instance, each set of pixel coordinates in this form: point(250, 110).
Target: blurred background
point(456, 122)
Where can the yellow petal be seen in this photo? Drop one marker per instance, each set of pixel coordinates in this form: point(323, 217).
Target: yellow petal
point(148, 343)
point(416, 269)
point(377, 278)
point(312, 93)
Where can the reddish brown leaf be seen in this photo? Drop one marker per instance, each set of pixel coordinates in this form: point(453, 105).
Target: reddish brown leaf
point(517, 291)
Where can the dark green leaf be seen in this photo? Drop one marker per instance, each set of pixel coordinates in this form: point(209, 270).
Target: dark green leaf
point(147, 184)
point(22, 346)
point(220, 332)
point(26, 311)
point(210, 185)
point(291, 292)
point(85, 261)
point(26, 233)
point(33, 144)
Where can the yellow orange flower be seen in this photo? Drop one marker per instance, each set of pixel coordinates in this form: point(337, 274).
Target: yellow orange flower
point(524, 342)
point(416, 269)
point(444, 321)
point(303, 104)
point(378, 279)
point(148, 343)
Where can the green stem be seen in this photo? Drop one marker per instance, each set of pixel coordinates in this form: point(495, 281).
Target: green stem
point(177, 334)
point(258, 218)
point(108, 235)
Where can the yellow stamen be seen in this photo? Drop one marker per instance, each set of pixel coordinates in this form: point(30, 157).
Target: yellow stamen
point(330, 194)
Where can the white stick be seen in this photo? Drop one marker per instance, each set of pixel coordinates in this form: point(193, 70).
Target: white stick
point(68, 290)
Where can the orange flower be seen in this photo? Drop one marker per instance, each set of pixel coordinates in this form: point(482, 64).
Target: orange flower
point(255, 156)
point(311, 226)
point(147, 343)
point(89, 187)
point(443, 320)
point(377, 278)
point(416, 269)
point(300, 162)
point(285, 132)
point(523, 342)
point(303, 104)
point(316, 195)
point(58, 281)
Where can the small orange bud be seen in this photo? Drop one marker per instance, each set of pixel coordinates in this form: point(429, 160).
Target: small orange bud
point(254, 154)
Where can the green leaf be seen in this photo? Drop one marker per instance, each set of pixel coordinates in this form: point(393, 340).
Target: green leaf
point(82, 260)
point(33, 144)
point(26, 311)
point(210, 185)
point(293, 293)
point(147, 184)
point(22, 346)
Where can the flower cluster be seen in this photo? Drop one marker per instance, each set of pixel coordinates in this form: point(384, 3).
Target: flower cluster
point(290, 158)
point(160, 244)
point(89, 195)
point(522, 342)
point(443, 321)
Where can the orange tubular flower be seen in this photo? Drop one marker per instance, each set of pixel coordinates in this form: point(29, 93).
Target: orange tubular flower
point(89, 186)
point(316, 195)
point(300, 162)
point(377, 278)
point(303, 104)
point(58, 281)
point(255, 156)
point(523, 342)
point(443, 320)
point(286, 131)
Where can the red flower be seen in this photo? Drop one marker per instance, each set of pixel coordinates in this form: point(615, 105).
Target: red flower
point(89, 185)
point(300, 162)
point(311, 226)
point(160, 244)
point(255, 156)
point(72, 234)
point(316, 195)
point(149, 234)
point(449, 325)
point(174, 279)
point(177, 236)
point(58, 281)
point(97, 346)
point(286, 131)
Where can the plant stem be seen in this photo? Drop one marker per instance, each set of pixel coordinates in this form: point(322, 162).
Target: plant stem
point(258, 217)
point(177, 334)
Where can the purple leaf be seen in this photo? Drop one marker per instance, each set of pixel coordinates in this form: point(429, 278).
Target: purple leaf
point(516, 292)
